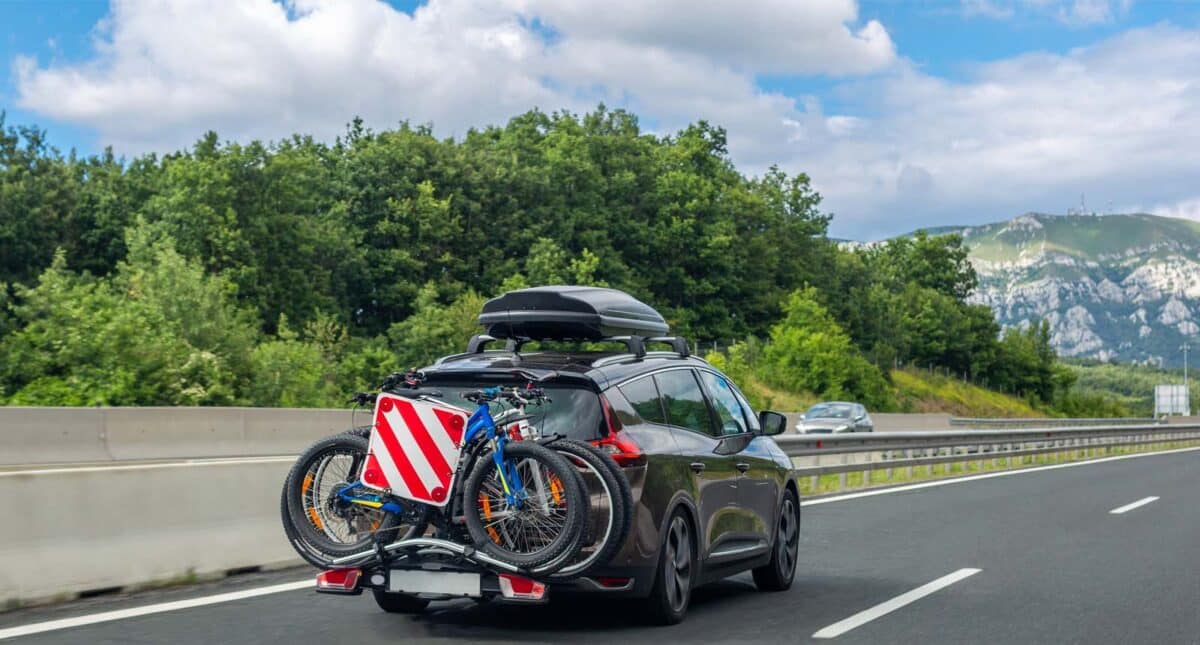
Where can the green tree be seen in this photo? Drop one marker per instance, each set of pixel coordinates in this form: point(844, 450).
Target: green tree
point(435, 329)
point(808, 351)
point(160, 332)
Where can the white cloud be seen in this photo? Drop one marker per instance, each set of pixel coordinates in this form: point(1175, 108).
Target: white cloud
point(1119, 121)
point(987, 9)
point(1076, 13)
point(764, 36)
point(1184, 208)
point(1092, 12)
point(164, 72)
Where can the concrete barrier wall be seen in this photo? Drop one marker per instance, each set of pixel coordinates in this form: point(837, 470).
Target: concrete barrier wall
point(86, 506)
point(70, 530)
point(34, 436)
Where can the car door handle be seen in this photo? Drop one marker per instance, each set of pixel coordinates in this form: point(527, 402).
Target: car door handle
point(697, 467)
point(743, 467)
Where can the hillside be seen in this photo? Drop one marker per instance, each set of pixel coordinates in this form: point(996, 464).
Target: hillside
point(914, 390)
point(1130, 385)
point(1123, 287)
point(921, 391)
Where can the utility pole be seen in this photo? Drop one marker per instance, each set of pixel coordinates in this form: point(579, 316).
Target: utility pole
point(1185, 350)
point(1186, 391)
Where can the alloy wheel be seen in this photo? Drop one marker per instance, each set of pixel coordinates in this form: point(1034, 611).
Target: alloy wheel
point(788, 541)
point(677, 566)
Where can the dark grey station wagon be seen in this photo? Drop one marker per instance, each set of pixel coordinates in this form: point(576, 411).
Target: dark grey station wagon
point(713, 493)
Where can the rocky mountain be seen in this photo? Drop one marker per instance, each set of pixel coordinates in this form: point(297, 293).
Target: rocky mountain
point(1124, 287)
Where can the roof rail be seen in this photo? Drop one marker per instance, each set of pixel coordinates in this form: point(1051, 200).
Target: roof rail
point(479, 341)
point(635, 344)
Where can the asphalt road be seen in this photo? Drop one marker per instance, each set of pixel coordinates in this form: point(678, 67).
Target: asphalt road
point(1055, 565)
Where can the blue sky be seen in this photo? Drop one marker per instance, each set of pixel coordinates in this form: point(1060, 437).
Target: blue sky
point(903, 113)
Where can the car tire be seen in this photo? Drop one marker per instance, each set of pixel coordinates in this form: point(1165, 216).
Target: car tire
point(777, 574)
point(675, 574)
point(399, 603)
point(568, 539)
point(620, 501)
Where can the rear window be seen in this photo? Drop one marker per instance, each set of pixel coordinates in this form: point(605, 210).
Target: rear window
point(572, 411)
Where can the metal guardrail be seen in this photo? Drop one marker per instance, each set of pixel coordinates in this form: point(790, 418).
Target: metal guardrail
point(865, 452)
point(977, 422)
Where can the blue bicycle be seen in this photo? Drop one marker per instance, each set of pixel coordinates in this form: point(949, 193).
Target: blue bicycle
point(520, 503)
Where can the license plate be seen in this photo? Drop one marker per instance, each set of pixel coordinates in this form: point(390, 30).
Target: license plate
point(449, 583)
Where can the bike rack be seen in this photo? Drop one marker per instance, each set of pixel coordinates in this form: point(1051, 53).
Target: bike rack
point(450, 548)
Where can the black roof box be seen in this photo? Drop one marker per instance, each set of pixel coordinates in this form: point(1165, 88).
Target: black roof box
point(569, 313)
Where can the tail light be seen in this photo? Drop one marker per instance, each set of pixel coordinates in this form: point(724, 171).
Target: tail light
point(520, 588)
point(339, 580)
point(618, 444)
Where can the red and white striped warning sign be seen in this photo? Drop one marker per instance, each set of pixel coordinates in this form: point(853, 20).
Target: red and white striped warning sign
point(414, 448)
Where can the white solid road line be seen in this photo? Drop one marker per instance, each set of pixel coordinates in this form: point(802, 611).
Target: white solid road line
point(971, 478)
point(79, 621)
point(882, 609)
point(1129, 507)
point(183, 463)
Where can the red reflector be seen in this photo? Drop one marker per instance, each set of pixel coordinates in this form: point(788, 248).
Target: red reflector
point(338, 579)
point(612, 583)
point(520, 588)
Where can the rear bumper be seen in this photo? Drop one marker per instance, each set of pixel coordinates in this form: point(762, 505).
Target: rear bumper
point(615, 582)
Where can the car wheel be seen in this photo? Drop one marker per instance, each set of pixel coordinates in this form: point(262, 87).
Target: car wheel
point(399, 603)
point(672, 591)
point(777, 574)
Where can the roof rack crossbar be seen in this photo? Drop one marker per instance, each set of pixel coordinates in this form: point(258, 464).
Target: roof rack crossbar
point(677, 343)
point(637, 344)
point(478, 342)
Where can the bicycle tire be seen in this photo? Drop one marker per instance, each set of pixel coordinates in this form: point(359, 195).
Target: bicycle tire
point(309, 540)
point(613, 515)
point(574, 514)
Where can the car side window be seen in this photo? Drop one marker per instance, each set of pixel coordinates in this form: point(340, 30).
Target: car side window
point(750, 416)
point(684, 401)
point(642, 394)
point(730, 414)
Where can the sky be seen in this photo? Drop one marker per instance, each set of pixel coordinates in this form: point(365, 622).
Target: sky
point(905, 114)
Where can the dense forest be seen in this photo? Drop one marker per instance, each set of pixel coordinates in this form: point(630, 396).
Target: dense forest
point(294, 272)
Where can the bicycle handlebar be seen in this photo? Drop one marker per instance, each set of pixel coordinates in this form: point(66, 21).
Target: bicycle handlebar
point(517, 395)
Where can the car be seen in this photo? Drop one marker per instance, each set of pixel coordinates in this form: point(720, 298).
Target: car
point(713, 494)
point(835, 417)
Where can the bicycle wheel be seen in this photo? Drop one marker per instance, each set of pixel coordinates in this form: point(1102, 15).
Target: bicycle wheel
point(319, 523)
point(610, 509)
point(547, 517)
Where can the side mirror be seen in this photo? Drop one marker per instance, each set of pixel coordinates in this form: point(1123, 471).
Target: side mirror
point(861, 417)
point(772, 423)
